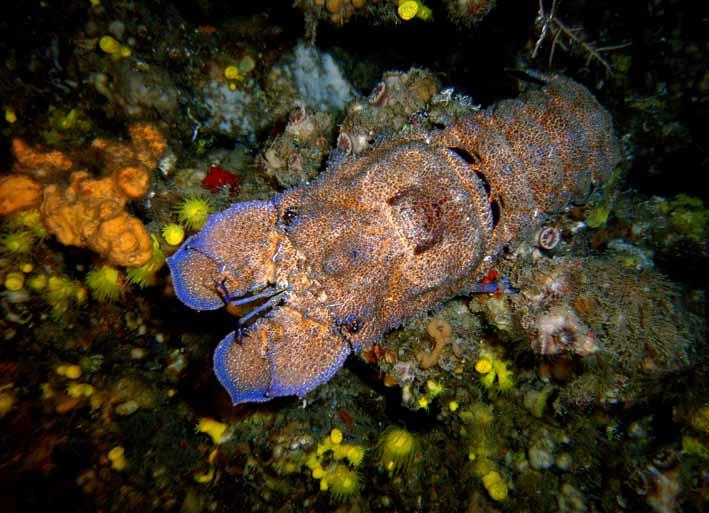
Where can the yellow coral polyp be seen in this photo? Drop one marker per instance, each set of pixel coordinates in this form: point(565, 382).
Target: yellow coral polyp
point(73, 372)
point(342, 482)
point(483, 365)
point(14, 281)
point(336, 436)
point(434, 388)
point(397, 449)
point(69, 371)
point(10, 115)
point(105, 283)
point(232, 73)
point(355, 455)
point(505, 379)
point(424, 13)
point(17, 243)
point(61, 292)
point(79, 390)
point(146, 274)
point(114, 48)
point(408, 9)
point(495, 486)
point(494, 373)
point(117, 458)
point(327, 466)
point(109, 45)
point(31, 221)
point(193, 212)
point(173, 234)
point(213, 428)
point(312, 462)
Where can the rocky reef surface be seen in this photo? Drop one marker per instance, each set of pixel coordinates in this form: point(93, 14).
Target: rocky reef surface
point(575, 380)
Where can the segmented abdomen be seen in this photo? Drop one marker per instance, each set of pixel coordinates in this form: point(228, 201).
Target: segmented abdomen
point(536, 153)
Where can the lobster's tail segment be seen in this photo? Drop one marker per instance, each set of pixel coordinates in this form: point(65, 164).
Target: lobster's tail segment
point(231, 256)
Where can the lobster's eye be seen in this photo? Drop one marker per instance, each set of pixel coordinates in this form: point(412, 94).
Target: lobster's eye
point(290, 215)
point(352, 324)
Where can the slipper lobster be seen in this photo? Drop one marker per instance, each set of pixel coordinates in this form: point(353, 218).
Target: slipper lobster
point(379, 238)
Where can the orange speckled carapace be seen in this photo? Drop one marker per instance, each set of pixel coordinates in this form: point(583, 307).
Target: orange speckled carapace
point(378, 238)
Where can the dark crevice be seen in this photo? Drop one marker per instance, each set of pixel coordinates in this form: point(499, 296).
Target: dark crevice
point(468, 157)
point(496, 211)
point(474, 161)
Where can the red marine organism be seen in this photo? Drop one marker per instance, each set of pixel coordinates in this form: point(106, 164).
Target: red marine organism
point(378, 238)
point(218, 178)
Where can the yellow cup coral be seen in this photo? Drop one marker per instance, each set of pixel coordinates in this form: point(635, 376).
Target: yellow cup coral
point(10, 115)
point(113, 48)
point(69, 371)
point(105, 283)
point(397, 449)
point(434, 388)
point(495, 486)
point(14, 281)
point(37, 282)
point(109, 45)
point(342, 482)
point(213, 428)
point(61, 292)
point(146, 275)
point(354, 454)
point(80, 390)
point(494, 373)
point(193, 212)
point(232, 73)
point(326, 465)
point(173, 234)
point(483, 365)
point(17, 243)
point(117, 458)
point(336, 436)
point(409, 9)
point(29, 220)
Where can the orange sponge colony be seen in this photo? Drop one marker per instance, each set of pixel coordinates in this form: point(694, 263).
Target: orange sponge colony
point(90, 212)
point(18, 192)
point(43, 166)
